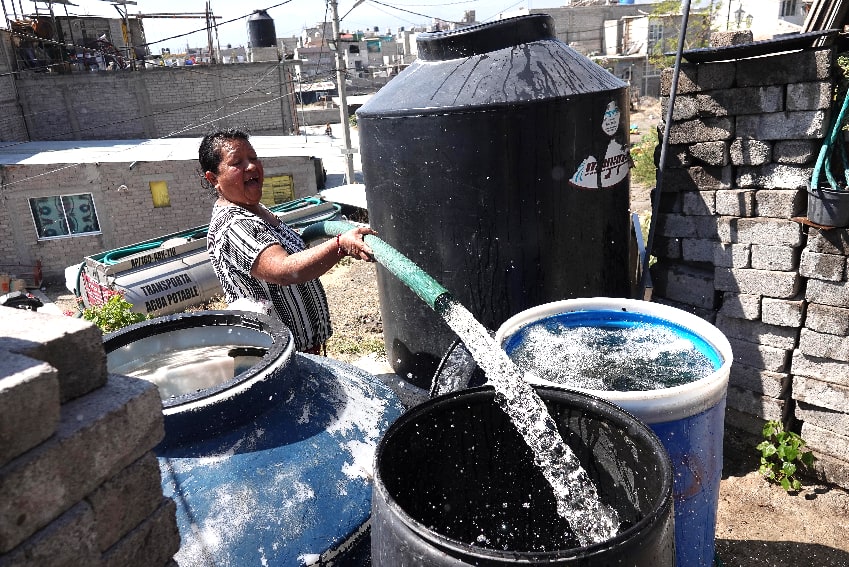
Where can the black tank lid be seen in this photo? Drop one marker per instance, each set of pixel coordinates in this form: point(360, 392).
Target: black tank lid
point(484, 38)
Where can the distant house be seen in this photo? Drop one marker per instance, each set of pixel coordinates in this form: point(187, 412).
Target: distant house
point(766, 18)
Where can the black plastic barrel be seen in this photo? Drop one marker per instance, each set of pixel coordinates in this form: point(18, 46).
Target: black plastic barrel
point(261, 30)
point(481, 164)
point(455, 484)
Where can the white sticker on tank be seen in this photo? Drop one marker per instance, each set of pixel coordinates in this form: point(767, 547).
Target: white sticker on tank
point(616, 163)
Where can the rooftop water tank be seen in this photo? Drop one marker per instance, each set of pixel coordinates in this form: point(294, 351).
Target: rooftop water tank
point(261, 30)
point(498, 163)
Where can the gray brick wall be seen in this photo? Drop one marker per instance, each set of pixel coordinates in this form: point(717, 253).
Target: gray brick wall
point(78, 479)
point(153, 103)
point(734, 245)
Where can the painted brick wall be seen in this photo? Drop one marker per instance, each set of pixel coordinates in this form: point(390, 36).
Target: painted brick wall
point(733, 246)
point(123, 203)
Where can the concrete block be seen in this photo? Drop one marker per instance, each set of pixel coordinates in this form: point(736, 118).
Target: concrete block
point(758, 332)
point(676, 157)
point(783, 285)
point(667, 248)
point(29, 404)
point(684, 284)
point(824, 369)
point(764, 407)
point(711, 153)
point(98, 435)
point(744, 421)
point(707, 314)
point(820, 393)
point(73, 346)
point(835, 294)
point(785, 68)
point(836, 421)
point(834, 241)
point(686, 108)
point(698, 203)
point(735, 203)
point(741, 306)
point(778, 258)
point(125, 500)
point(153, 542)
point(823, 345)
point(829, 267)
point(739, 101)
point(687, 80)
point(750, 152)
point(698, 250)
point(771, 232)
point(717, 75)
point(827, 319)
point(698, 178)
point(773, 176)
point(805, 125)
point(772, 384)
point(829, 442)
point(830, 469)
point(732, 255)
point(796, 152)
point(69, 541)
point(681, 226)
point(783, 312)
point(729, 38)
point(809, 96)
point(760, 356)
point(702, 130)
point(780, 203)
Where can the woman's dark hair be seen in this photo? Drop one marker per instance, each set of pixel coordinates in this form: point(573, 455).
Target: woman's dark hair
point(209, 153)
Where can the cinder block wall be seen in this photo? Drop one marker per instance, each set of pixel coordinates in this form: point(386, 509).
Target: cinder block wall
point(79, 483)
point(730, 245)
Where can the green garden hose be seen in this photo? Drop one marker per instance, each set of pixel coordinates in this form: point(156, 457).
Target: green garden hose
point(427, 288)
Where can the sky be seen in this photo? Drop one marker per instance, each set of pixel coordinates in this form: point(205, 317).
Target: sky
point(290, 16)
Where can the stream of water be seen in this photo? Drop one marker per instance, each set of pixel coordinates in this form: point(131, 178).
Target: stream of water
point(577, 499)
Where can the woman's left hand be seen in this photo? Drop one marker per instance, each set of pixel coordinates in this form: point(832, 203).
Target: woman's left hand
point(353, 245)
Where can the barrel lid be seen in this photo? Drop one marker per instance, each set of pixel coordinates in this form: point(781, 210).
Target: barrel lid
point(483, 38)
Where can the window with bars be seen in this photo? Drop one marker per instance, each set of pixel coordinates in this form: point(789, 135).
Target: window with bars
point(64, 215)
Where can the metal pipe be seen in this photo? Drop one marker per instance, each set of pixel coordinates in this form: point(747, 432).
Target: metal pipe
point(664, 146)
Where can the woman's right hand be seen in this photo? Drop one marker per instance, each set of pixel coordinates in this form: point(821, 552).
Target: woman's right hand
point(353, 244)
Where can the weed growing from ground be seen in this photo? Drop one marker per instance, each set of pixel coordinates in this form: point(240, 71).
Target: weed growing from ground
point(780, 452)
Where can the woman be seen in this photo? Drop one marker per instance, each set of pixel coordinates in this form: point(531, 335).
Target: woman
point(256, 256)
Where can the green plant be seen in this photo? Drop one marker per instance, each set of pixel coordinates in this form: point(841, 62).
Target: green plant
point(780, 451)
point(115, 314)
point(644, 171)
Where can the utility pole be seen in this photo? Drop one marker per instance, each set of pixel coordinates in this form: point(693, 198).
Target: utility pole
point(343, 100)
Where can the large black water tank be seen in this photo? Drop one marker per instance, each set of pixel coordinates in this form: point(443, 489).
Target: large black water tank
point(480, 163)
point(261, 30)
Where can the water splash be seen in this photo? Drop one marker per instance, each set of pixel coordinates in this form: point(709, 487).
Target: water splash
point(577, 499)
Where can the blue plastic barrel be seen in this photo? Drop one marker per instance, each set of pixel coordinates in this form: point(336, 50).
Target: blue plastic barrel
point(688, 418)
point(272, 465)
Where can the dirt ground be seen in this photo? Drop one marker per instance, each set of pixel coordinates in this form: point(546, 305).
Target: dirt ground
point(758, 524)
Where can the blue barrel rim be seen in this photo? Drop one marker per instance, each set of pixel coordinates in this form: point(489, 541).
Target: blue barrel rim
point(651, 406)
point(281, 342)
point(581, 401)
